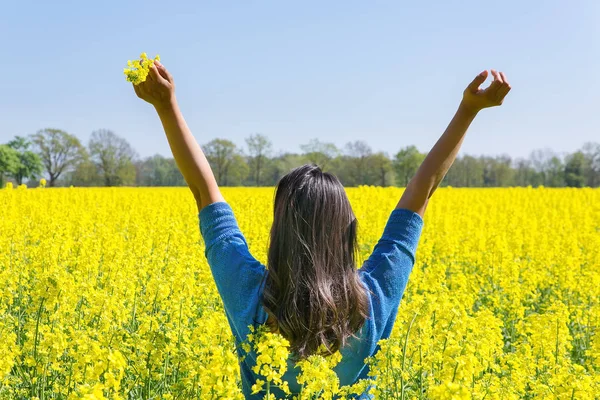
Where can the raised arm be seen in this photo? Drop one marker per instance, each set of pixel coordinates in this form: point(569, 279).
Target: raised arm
point(159, 90)
point(442, 155)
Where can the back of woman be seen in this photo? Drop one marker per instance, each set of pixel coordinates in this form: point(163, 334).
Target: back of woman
point(311, 291)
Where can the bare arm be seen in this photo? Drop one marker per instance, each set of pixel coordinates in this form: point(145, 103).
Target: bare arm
point(159, 90)
point(442, 155)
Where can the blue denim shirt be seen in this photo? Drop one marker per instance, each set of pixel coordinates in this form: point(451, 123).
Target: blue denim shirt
point(238, 276)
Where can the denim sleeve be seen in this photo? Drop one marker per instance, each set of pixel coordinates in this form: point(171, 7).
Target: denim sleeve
point(387, 270)
point(236, 272)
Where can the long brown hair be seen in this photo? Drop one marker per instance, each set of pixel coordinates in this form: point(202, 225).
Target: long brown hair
point(313, 294)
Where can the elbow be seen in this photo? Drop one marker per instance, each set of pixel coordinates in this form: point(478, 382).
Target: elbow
point(431, 193)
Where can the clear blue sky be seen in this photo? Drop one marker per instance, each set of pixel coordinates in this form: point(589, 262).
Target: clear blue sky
point(390, 73)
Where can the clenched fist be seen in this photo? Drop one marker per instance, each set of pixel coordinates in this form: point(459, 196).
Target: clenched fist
point(159, 87)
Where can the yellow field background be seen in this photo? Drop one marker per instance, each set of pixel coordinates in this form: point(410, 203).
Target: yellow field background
point(105, 293)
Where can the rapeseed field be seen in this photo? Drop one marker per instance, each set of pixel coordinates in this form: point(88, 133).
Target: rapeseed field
point(105, 294)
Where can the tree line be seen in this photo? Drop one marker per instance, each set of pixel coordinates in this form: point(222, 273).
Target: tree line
point(109, 160)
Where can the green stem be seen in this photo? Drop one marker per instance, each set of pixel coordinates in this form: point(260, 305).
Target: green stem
point(37, 328)
point(557, 326)
point(403, 386)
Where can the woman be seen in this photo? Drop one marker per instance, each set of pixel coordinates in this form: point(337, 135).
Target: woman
point(312, 292)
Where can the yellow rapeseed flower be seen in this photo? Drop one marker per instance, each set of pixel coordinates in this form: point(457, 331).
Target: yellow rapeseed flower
point(137, 70)
point(101, 299)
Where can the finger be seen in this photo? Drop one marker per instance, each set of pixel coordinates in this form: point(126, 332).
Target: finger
point(479, 79)
point(140, 89)
point(496, 76)
point(137, 90)
point(163, 72)
point(504, 78)
point(156, 75)
point(504, 88)
point(149, 77)
point(496, 83)
point(503, 91)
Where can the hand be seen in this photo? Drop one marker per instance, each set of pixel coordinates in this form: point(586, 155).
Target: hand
point(159, 87)
point(476, 99)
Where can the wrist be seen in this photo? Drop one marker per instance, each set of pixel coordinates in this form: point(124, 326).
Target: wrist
point(467, 110)
point(166, 107)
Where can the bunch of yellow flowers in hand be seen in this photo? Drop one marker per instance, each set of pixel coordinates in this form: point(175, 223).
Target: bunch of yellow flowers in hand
point(137, 70)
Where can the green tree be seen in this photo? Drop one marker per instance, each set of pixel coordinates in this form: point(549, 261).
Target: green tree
point(591, 151)
point(575, 170)
point(555, 173)
point(473, 171)
point(59, 151)
point(280, 165)
point(503, 171)
point(84, 173)
point(497, 171)
point(319, 153)
point(9, 162)
point(30, 165)
point(238, 171)
point(406, 163)
point(174, 176)
point(220, 154)
point(158, 171)
point(113, 157)
point(259, 148)
point(382, 168)
point(356, 164)
point(525, 174)
point(543, 162)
